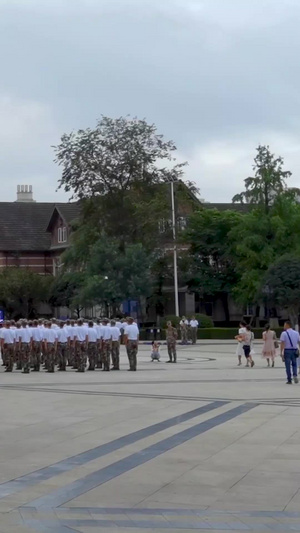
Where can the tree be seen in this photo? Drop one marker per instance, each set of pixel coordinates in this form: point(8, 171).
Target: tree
point(110, 277)
point(64, 290)
point(258, 240)
point(268, 182)
point(281, 285)
point(209, 266)
point(21, 290)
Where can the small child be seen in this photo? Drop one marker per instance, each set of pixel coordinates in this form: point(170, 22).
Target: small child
point(155, 355)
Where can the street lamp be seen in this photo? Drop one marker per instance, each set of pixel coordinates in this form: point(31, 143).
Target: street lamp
point(174, 250)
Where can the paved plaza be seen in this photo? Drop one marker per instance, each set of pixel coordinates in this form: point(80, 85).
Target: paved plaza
point(201, 445)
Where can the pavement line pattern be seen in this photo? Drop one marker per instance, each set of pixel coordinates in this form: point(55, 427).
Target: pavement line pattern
point(75, 489)
point(28, 480)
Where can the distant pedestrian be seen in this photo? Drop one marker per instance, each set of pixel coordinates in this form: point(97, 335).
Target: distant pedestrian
point(155, 355)
point(194, 324)
point(289, 349)
point(247, 339)
point(171, 337)
point(184, 324)
point(239, 348)
point(269, 347)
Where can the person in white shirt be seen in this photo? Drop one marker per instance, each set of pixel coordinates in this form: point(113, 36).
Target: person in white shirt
point(8, 345)
point(92, 345)
point(62, 346)
point(54, 323)
point(239, 348)
point(131, 336)
point(184, 324)
point(194, 324)
point(50, 346)
point(72, 345)
point(106, 344)
point(115, 345)
point(25, 345)
point(81, 345)
point(37, 337)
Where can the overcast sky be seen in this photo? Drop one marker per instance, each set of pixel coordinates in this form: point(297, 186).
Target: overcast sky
point(218, 77)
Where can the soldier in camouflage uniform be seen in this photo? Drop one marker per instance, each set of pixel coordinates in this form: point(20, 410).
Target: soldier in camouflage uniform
point(92, 345)
point(18, 357)
point(36, 346)
point(62, 346)
point(99, 329)
point(171, 337)
point(50, 346)
point(131, 339)
point(106, 345)
point(81, 345)
point(115, 345)
point(25, 343)
point(7, 340)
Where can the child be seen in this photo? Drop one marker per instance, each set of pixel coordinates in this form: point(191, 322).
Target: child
point(155, 355)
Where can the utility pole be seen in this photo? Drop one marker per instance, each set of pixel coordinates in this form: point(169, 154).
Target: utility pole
point(174, 251)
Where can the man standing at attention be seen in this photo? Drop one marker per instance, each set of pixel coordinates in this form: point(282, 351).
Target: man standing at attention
point(25, 345)
point(131, 339)
point(171, 338)
point(115, 347)
point(194, 328)
point(289, 344)
point(7, 343)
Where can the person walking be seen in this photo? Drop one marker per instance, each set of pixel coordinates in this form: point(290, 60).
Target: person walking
point(269, 347)
point(289, 346)
point(239, 348)
point(247, 339)
point(171, 338)
point(194, 324)
point(131, 340)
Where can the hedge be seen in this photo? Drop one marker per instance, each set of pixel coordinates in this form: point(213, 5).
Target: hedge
point(207, 333)
point(204, 321)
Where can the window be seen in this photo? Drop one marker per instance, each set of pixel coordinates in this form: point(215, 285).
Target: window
point(62, 235)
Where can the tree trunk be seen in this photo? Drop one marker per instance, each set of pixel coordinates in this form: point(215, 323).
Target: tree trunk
point(224, 298)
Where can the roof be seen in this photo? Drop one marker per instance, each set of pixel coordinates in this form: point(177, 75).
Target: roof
point(243, 208)
point(23, 225)
point(69, 212)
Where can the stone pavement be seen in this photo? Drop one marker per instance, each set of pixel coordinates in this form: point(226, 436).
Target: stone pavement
point(201, 445)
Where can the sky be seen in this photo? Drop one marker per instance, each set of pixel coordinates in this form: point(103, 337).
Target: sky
point(218, 77)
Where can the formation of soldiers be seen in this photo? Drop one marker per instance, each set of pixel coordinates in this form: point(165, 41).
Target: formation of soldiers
point(32, 345)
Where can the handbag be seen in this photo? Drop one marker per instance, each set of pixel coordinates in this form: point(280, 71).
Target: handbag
point(296, 349)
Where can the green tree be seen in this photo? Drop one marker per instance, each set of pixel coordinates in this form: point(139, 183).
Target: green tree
point(21, 290)
point(258, 240)
point(111, 277)
point(281, 285)
point(268, 182)
point(209, 266)
point(64, 289)
point(118, 169)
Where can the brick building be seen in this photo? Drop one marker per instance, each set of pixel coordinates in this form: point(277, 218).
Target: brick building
point(34, 234)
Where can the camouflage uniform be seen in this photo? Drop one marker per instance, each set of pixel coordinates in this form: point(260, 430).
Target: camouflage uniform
point(115, 354)
point(171, 337)
point(106, 354)
point(8, 356)
point(36, 355)
point(132, 349)
point(92, 355)
point(50, 357)
point(26, 356)
point(62, 355)
point(81, 355)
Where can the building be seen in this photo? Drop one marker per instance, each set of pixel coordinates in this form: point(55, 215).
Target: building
point(34, 234)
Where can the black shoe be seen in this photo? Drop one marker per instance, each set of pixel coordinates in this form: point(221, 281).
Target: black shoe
point(170, 361)
point(8, 370)
point(289, 383)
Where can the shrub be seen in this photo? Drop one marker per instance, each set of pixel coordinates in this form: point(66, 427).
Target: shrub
point(204, 321)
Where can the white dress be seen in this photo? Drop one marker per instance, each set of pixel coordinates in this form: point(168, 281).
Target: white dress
point(239, 348)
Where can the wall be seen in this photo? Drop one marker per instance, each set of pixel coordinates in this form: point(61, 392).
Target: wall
point(39, 262)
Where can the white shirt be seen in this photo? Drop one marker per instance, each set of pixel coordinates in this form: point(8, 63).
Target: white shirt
point(106, 333)
point(50, 335)
point(81, 333)
point(62, 335)
point(115, 333)
point(194, 323)
point(184, 322)
point(132, 332)
point(92, 334)
point(99, 330)
point(37, 334)
point(71, 332)
point(8, 335)
point(119, 325)
point(54, 326)
point(25, 334)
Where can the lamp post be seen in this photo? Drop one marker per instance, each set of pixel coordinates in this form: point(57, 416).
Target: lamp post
point(174, 251)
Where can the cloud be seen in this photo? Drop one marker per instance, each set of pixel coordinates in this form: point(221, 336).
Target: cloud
point(218, 77)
